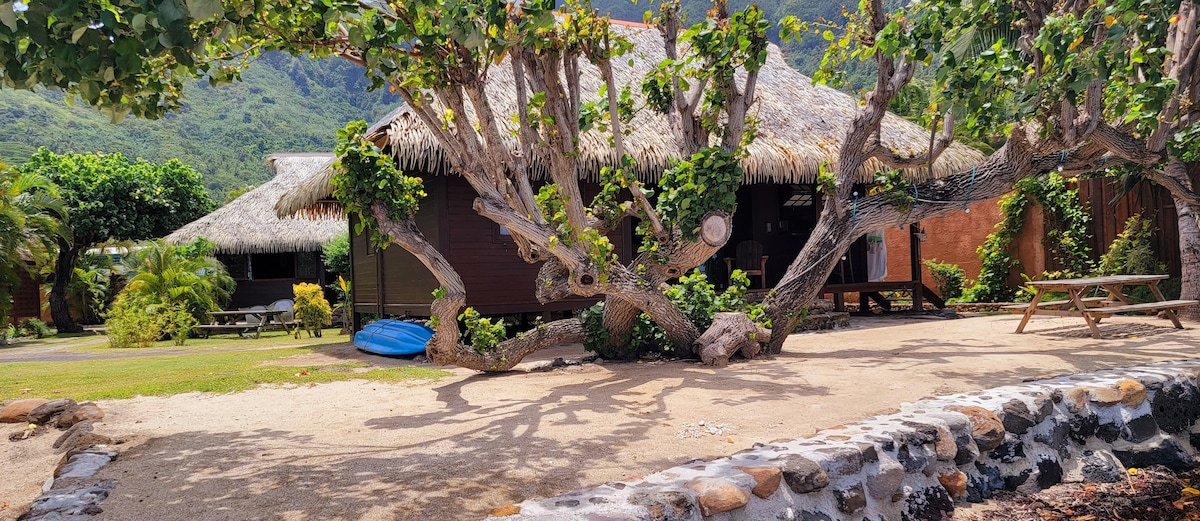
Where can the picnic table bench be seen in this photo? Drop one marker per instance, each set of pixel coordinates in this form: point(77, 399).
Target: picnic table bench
point(243, 321)
point(1093, 309)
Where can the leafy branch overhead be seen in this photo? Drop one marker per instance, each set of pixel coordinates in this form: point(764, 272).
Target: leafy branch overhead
point(366, 174)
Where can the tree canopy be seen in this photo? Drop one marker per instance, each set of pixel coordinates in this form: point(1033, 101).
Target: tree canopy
point(110, 198)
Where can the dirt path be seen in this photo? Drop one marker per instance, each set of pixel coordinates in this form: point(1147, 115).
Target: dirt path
point(457, 447)
point(65, 351)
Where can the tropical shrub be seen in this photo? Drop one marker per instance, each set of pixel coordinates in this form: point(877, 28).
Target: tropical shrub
point(92, 287)
point(169, 291)
point(33, 327)
point(128, 323)
point(336, 255)
point(949, 278)
point(695, 296)
point(1132, 253)
point(186, 276)
point(311, 309)
point(178, 323)
point(31, 222)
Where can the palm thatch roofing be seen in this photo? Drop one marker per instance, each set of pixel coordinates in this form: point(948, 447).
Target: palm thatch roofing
point(801, 126)
point(248, 224)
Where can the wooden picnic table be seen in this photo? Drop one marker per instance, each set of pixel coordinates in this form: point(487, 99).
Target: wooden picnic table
point(243, 320)
point(1093, 309)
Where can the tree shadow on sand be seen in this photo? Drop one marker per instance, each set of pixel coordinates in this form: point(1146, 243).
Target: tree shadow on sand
point(455, 461)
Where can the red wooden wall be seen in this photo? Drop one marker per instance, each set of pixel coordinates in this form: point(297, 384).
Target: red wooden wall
point(1109, 213)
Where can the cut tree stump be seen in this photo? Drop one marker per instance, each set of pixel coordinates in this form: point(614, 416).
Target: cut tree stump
point(730, 333)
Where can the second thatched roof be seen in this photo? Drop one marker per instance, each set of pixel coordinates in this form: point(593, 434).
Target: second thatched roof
point(801, 126)
point(248, 224)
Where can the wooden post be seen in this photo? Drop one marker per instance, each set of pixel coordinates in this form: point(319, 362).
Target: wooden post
point(381, 297)
point(355, 323)
point(914, 253)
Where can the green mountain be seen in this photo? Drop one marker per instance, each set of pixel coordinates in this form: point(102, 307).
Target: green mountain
point(284, 104)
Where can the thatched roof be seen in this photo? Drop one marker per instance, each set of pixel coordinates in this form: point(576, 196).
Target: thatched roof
point(801, 126)
point(248, 224)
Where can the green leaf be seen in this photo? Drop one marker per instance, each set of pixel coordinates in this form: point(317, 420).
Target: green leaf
point(171, 11)
point(78, 33)
point(8, 16)
point(203, 10)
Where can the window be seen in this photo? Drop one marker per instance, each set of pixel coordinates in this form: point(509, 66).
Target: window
point(235, 265)
point(501, 234)
point(306, 265)
point(273, 266)
point(802, 195)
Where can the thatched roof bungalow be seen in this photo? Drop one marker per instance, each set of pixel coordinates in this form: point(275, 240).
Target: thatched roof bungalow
point(266, 253)
point(801, 126)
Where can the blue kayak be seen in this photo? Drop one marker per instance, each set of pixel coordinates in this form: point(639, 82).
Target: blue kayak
point(393, 337)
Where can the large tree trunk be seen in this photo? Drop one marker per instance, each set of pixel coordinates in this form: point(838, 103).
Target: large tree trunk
point(1189, 240)
point(730, 333)
point(64, 268)
point(840, 225)
point(620, 314)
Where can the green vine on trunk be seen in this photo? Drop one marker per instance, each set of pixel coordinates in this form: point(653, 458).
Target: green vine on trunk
point(692, 188)
point(481, 333)
point(897, 191)
point(366, 174)
point(553, 205)
point(1066, 237)
point(1132, 252)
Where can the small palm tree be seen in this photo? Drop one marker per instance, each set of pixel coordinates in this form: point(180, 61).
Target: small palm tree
point(178, 276)
point(32, 219)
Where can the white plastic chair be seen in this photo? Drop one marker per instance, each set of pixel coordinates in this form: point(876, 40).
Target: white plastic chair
point(250, 318)
point(286, 306)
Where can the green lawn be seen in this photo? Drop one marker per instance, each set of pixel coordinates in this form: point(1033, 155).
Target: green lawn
point(219, 372)
point(219, 341)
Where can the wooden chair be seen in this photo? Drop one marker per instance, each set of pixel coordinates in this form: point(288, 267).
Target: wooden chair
point(750, 260)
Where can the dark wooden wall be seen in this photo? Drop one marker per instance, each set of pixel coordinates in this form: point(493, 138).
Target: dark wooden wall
point(406, 285)
point(262, 292)
point(1108, 217)
point(27, 300)
point(497, 280)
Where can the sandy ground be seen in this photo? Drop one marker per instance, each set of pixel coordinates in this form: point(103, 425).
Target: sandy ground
point(459, 446)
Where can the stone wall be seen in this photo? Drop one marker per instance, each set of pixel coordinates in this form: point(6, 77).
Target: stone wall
point(915, 464)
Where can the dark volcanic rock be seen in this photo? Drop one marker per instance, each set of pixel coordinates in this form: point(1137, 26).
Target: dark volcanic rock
point(1165, 452)
point(929, 504)
point(1011, 450)
point(803, 475)
point(1175, 407)
point(1139, 429)
point(1016, 417)
point(1050, 473)
point(44, 412)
